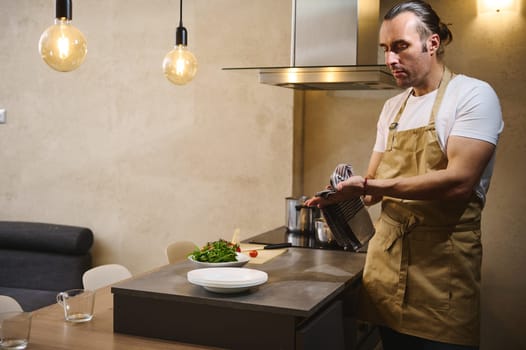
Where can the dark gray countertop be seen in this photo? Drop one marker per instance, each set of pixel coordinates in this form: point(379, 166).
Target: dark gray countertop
point(300, 282)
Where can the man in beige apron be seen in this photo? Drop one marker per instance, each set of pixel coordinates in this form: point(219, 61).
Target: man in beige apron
point(422, 275)
point(421, 280)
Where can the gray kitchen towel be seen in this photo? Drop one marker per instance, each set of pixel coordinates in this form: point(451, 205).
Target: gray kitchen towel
point(349, 221)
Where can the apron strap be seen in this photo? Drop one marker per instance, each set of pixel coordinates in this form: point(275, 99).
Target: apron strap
point(446, 78)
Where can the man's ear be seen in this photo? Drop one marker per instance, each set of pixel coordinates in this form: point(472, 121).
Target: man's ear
point(433, 43)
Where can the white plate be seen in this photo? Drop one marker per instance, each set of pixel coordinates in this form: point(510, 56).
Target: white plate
point(227, 279)
point(242, 259)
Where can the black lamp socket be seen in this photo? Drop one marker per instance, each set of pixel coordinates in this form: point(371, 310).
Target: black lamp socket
point(64, 9)
point(181, 36)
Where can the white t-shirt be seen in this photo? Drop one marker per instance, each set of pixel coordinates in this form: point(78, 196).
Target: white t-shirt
point(470, 108)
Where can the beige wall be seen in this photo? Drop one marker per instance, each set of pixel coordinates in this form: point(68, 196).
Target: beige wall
point(339, 127)
point(115, 147)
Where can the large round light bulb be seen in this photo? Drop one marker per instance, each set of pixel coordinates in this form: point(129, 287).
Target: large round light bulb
point(62, 46)
point(180, 65)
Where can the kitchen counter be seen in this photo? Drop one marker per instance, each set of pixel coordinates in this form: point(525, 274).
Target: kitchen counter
point(301, 297)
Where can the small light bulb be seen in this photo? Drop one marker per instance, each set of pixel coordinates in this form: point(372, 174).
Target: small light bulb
point(497, 5)
point(180, 65)
point(62, 46)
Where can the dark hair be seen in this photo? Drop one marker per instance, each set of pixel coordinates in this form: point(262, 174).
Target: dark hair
point(430, 23)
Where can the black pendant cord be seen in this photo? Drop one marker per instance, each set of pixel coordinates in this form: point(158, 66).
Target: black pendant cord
point(180, 13)
point(181, 35)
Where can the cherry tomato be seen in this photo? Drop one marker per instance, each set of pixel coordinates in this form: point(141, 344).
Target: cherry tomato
point(238, 249)
point(253, 253)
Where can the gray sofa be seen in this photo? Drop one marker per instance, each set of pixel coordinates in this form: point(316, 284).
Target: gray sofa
point(38, 260)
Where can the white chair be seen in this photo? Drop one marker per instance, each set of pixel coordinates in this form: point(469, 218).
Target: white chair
point(179, 251)
point(8, 304)
point(104, 275)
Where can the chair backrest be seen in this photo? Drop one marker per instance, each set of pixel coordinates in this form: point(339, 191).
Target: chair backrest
point(8, 304)
point(179, 251)
point(104, 275)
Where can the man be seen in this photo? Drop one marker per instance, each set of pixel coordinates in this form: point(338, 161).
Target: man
point(430, 167)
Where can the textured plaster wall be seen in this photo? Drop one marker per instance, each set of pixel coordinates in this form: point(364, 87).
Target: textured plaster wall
point(339, 127)
point(115, 147)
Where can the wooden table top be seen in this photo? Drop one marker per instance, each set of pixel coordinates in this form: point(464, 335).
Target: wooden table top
point(49, 331)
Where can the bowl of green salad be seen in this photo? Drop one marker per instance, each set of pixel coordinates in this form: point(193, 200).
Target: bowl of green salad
point(220, 253)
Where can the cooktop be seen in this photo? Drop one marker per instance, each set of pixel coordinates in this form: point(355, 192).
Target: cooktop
point(297, 239)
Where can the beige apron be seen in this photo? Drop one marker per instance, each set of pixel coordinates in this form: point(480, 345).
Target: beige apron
point(422, 272)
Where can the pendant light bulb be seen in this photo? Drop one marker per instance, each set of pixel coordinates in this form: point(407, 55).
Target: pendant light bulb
point(62, 46)
point(180, 65)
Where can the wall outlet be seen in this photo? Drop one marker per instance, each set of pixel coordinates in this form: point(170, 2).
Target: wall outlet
point(3, 115)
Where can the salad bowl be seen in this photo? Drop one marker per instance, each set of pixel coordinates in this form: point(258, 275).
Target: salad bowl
point(242, 259)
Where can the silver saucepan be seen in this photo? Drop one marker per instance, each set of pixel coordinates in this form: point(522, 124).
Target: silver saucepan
point(300, 218)
point(322, 232)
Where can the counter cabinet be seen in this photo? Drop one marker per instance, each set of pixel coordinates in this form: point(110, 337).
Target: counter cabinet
point(300, 305)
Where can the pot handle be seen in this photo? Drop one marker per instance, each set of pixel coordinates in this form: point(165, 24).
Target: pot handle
point(303, 206)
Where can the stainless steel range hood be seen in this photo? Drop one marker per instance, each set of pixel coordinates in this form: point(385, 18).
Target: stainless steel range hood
point(374, 77)
point(334, 47)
